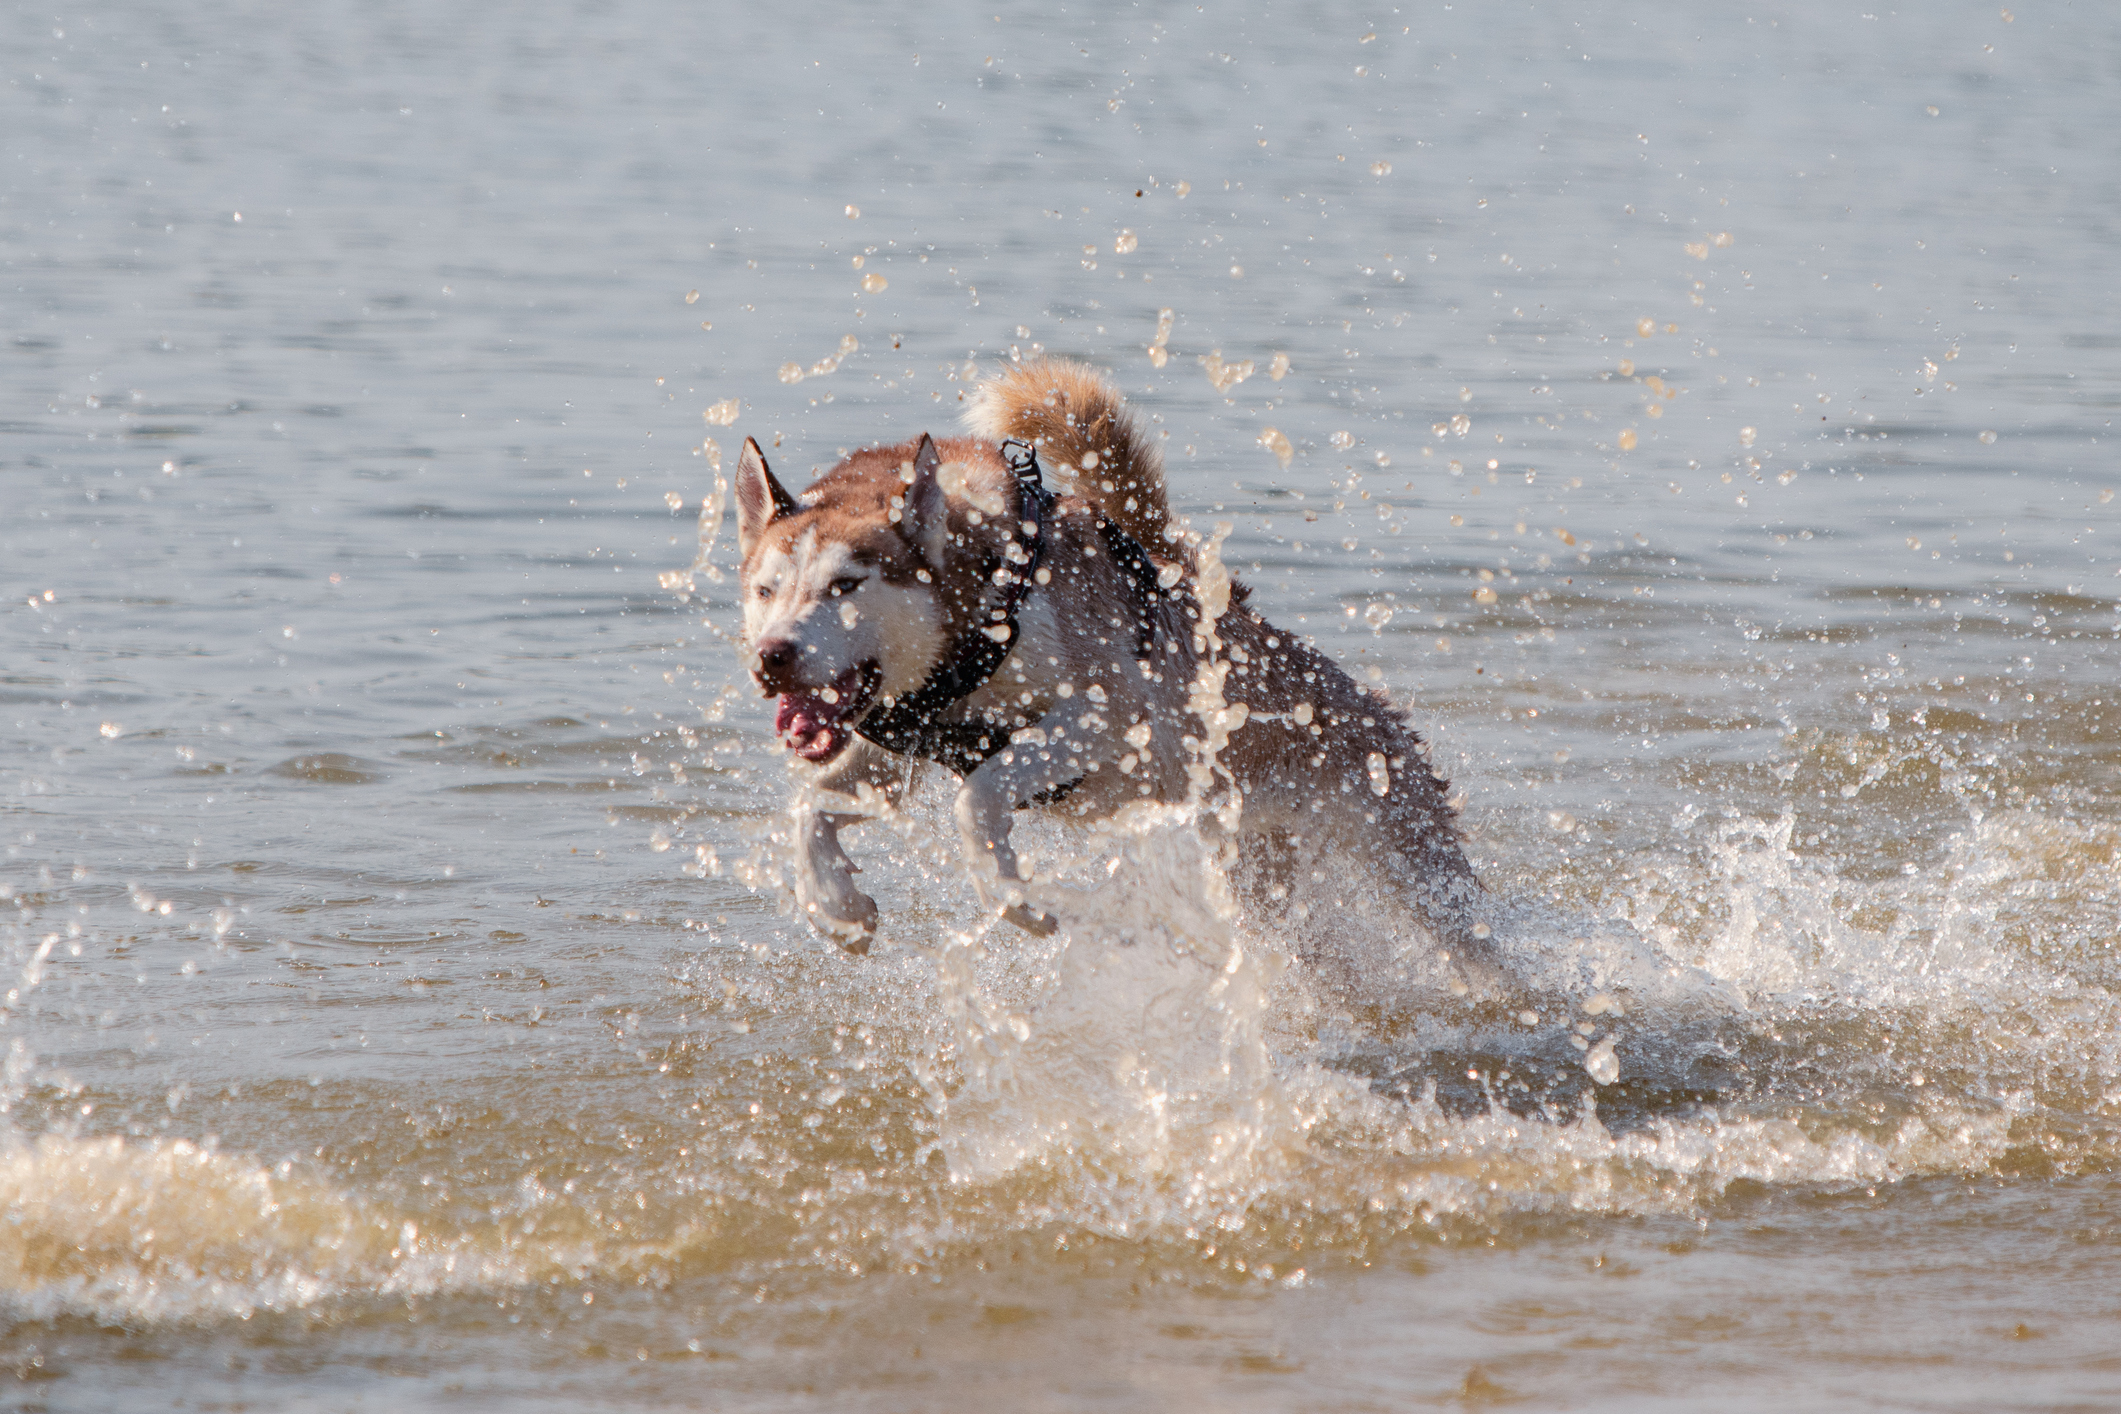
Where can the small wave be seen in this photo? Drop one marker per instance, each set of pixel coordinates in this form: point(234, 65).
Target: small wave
point(168, 1229)
point(329, 768)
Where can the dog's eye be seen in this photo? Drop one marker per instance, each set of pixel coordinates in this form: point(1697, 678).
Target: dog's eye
point(845, 586)
point(765, 591)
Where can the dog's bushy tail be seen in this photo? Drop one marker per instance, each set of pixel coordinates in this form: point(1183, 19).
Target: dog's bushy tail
point(1086, 438)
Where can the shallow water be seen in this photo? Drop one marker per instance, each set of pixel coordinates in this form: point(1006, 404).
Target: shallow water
point(404, 1010)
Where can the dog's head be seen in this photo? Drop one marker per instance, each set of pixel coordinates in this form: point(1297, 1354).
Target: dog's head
point(855, 591)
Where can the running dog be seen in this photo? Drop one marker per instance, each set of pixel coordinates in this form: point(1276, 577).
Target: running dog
point(1058, 648)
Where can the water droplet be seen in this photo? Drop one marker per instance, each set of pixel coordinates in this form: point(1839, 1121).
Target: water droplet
point(693, 298)
point(1127, 243)
point(1273, 440)
point(873, 283)
point(1380, 169)
point(1627, 439)
point(1225, 376)
point(722, 413)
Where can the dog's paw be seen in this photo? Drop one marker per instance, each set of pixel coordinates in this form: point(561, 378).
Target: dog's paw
point(1032, 922)
point(851, 924)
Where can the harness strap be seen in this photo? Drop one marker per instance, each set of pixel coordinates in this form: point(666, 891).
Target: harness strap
point(909, 724)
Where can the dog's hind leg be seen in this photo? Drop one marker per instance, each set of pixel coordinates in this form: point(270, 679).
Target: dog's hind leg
point(1267, 868)
point(1446, 896)
point(1434, 876)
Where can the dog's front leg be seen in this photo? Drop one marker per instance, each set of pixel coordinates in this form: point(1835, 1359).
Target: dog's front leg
point(824, 881)
point(991, 795)
point(824, 875)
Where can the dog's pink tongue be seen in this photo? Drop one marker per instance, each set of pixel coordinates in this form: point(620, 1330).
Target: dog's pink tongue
point(800, 720)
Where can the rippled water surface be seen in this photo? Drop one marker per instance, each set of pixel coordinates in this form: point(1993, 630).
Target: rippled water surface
point(1700, 419)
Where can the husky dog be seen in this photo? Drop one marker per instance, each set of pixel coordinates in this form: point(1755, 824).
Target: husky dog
point(937, 601)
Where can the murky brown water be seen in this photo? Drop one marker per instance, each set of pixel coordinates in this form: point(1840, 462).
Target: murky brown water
point(402, 1008)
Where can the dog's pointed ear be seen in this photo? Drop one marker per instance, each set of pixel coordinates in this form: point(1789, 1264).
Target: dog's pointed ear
point(926, 520)
point(759, 498)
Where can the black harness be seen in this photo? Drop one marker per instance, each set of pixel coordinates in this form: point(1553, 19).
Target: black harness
point(912, 725)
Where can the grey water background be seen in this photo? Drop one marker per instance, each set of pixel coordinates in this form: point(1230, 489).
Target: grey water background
point(352, 746)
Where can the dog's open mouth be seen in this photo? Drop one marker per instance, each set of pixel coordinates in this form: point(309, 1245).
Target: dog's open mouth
point(818, 725)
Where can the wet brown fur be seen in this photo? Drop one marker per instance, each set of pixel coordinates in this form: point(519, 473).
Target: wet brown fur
point(1066, 410)
point(851, 503)
point(1070, 411)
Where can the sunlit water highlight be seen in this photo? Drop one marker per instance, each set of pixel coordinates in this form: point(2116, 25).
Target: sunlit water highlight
point(403, 1005)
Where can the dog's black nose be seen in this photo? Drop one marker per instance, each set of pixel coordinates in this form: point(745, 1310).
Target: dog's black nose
point(777, 663)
